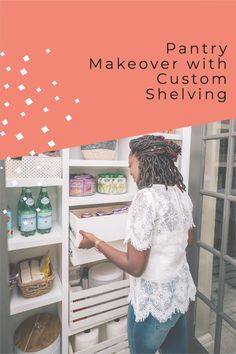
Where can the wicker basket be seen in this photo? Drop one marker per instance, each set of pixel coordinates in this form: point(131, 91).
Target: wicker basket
point(37, 287)
point(105, 150)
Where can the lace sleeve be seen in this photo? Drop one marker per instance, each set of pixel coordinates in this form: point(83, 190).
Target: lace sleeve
point(140, 222)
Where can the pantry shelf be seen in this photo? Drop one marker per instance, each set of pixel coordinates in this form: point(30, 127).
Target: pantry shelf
point(19, 242)
point(33, 182)
point(98, 198)
point(98, 163)
point(20, 304)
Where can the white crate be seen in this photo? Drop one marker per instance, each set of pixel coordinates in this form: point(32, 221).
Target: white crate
point(101, 303)
point(102, 226)
point(109, 346)
point(34, 167)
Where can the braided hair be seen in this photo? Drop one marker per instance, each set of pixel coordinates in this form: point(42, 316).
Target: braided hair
point(156, 156)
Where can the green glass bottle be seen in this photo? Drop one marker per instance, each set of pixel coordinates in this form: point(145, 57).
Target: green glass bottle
point(28, 215)
point(20, 203)
point(44, 212)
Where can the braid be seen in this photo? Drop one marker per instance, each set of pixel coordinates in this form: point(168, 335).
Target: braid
point(157, 156)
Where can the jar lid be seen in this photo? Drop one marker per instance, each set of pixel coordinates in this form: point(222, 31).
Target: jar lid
point(37, 332)
point(105, 271)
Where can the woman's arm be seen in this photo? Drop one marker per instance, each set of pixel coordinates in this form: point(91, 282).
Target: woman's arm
point(133, 262)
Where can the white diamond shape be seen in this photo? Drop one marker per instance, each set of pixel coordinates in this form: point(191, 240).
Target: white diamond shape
point(56, 98)
point(77, 100)
point(45, 109)
point(48, 50)
point(38, 89)
point(26, 58)
point(68, 117)
point(51, 143)
point(6, 104)
point(2, 133)
point(32, 152)
point(19, 136)
point(4, 211)
point(38, 210)
point(24, 198)
point(5, 122)
point(8, 158)
point(6, 86)
point(1, 168)
point(23, 114)
point(2, 54)
point(28, 101)
point(14, 183)
point(45, 129)
point(23, 71)
point(18, 170)
point(8, 68)
point(54, 83)
point(21, 87)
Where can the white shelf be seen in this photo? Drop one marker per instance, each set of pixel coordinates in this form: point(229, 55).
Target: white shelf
point(101, 199)
point(19, 304)
point(98, 163)
point(33, 182)
point(19, 242)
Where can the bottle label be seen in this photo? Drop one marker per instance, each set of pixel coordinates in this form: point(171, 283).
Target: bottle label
point(9, 223)
point(44, 220)
point(45, 200)
point(30, 201)
point(28, 222)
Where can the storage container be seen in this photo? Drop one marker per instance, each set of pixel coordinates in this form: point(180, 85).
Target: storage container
point(36, 287)
point(99, 304)
point(101, 151)
point(104, 273)
point(39, 334)
point(82, 185)
point(112, 183)
point(34, 167)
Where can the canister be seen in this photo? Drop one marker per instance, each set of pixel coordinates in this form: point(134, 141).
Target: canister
point(82, 185)
point(39, 334)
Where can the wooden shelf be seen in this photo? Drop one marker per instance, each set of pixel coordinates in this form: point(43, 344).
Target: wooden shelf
point(33, 182)
point(101, 199)
point(99, 163)
point(20, 304)
point(19, 242)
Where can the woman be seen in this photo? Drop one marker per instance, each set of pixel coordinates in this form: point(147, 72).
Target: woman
point(158, 230)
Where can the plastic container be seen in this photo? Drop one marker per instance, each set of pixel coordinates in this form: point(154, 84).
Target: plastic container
point(82, 185)
point(112, 183)
point(104, 273)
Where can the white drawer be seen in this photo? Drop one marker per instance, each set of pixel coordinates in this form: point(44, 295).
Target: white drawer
point(82, 256)
point(108, 228)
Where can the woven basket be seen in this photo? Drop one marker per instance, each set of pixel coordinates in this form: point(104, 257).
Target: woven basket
point(37, 287)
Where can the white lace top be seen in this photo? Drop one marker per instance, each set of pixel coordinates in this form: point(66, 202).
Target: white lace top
point(160, 219)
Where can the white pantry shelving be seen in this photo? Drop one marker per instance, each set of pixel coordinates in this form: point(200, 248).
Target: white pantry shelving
point(19, 242)
point(62, 296)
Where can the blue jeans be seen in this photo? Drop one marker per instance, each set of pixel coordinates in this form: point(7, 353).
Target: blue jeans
point(151, 335)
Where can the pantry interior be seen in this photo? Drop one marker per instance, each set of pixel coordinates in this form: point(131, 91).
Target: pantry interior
point(79, 309)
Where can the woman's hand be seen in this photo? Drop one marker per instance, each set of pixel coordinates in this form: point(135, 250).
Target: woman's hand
point(88, 240)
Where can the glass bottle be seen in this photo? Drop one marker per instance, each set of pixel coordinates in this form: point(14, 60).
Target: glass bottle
point(44, 212)
point(28, 215)
point(20, 203)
